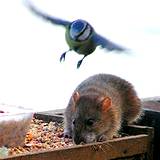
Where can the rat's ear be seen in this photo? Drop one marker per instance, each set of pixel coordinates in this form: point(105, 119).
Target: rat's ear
point(76, 96)
point(106, 103)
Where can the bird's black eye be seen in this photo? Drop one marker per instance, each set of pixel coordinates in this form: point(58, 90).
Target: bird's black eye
point(90, 122)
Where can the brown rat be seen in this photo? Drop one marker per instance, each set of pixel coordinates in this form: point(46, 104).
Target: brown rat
point(98, 107)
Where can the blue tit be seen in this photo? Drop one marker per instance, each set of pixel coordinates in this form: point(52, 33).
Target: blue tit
point(80, 35)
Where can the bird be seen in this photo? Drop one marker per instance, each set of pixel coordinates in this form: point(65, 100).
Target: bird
point(80, 36)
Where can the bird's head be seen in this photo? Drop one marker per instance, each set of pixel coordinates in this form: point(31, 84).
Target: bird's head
point(80, 30)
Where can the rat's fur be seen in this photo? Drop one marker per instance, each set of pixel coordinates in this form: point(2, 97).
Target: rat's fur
point(98, 107)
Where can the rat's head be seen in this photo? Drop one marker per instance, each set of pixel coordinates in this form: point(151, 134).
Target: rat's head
point(90, 118)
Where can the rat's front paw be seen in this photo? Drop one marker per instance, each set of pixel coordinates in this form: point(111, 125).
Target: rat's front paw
point(102, 138)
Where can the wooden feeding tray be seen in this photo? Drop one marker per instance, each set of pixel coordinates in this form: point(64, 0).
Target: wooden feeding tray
point(136, 145)
point(151, 118)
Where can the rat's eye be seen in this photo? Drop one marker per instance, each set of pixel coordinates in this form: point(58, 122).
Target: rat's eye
point(73, 122)
point(90, 122)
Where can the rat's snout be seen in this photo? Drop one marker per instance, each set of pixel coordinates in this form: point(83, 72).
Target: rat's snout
point(85, 138)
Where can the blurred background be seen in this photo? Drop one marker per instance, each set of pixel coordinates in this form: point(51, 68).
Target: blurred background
point(30, 72)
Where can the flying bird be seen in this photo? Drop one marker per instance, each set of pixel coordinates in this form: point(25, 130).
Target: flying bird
point(80, 36)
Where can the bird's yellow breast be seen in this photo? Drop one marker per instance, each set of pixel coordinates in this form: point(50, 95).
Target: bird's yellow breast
point(82, 47)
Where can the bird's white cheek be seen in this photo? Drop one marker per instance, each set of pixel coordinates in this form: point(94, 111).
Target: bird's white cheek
point(86, 34)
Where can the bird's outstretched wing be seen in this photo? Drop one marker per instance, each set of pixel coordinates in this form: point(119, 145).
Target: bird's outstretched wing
point(45, 16)
point(105, 43)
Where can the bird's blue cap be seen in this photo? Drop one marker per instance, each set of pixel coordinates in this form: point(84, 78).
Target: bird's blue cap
point(77, 27)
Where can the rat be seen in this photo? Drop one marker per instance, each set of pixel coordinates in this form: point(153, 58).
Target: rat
point(99, 107)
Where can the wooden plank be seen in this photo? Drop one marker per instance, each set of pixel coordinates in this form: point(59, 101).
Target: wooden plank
point(152, 103)
point(52, 115)
point(152, 118)
point(117, 148)
point(137, 129)
point(53, 112)
point(155, 98)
